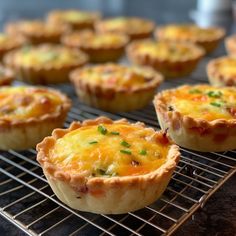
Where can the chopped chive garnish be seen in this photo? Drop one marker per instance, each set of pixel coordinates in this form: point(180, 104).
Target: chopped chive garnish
point(128, 152)
point(102, 129)
point(125, 144)
point(143, 152)
point(101, 171)
point(216, 104)
point(115, 133)
point(214, 94)
point(93, 142)
point(192, 91)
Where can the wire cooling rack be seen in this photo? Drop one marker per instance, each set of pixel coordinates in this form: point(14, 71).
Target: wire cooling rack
point(27, 201)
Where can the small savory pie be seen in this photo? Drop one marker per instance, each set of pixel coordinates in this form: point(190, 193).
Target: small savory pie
point(172, 59)
point(45, 63)
point(8, 43)
point(114, 87)
point(222, 71)
point(6, 76)
point(28, 114)
point(99, 47)
point(35, 31)
point(75, 19)
point(107, 167)
point(135, 28)
point(230, 45)
point(208, 38)
point(200, 117)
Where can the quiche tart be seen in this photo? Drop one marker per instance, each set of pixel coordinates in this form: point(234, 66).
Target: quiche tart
point(45, 63)
point(200, 117)
point(208, 38)
point(135, 28)
point(8, 43)
point(6, 76)
point(75, 19)
point(114, 87)
point(107, 167)
point(222, 71)
point(172, 59)
point(28, 114)
point(36, 31)
point(230, 45)
point(105, 47)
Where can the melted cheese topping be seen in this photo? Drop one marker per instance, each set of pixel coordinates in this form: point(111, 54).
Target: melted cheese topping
point(130, 151)
point(188, 32)
point(166, 50)
point(118, 76)
point(45, 55)
point(203, 101)
point(91, 39)
point(226, 66)
point(20, 103)
point(126, 25)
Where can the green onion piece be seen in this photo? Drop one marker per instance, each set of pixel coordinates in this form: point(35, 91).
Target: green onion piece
point(125, 144)
point(101, 171)
point(115, 133)
point(192, 91)
point(93, 142)
point(128, 152)
point(143, 152)
point(214, 94)
point(216, 104)
point(102, 129)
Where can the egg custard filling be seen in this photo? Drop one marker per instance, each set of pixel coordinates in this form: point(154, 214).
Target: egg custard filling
point(21, 103)
point(166, 50)
point(110, 150)
point(203, 102)
point(117, 76)
point(47, 55)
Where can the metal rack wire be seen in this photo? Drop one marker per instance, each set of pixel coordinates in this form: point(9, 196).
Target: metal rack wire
point(27, 201)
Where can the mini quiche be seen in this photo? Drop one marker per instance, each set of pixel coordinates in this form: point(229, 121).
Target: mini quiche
point(45, 63)
point(28, 114)
point(99, 47)
point(8, 43)
point(114, 87)
point(6, 76)
point(170, 58)
point(35, 31)
point(208, 38)
point(230, 45)
point(108, 167)
point(135, 28)
point(200, 117)
point(75, 19)
point(222, 71)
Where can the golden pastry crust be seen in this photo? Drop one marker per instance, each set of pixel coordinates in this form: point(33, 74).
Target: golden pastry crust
point(170, 58)
point(36, 31)
point(208, 38)
point(211, 126)
point(8, 43)
point(114, 87)
point(134, 27)
point(112, 194)
point(222, 71)
point(45, 63)
point(105, 47)
point(28, 114)
point(230, 45)
point(75, 19)
point(6, 76)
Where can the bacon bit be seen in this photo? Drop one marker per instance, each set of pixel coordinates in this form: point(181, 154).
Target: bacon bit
point(219, 138)
point(232, 111)
point(135, 163)
point(200, 130)
point(24, 100)
point(45, 101)
point(200, 98)
point(83, 189)
point(163, 139)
